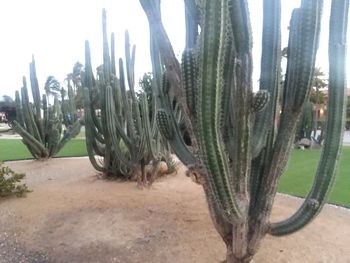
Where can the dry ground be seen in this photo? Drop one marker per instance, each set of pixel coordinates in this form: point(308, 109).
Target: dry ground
point(73, 216)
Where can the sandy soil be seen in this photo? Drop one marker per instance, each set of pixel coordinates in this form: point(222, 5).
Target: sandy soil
point(73, 216)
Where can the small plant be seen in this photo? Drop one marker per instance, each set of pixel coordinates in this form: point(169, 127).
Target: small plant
point(10, 182)
point(172, 165)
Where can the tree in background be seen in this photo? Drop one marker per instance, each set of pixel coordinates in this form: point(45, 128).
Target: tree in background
point(309, 120)
point(317, 97)
point(8, 106)
point(145, 84)
point(52, 88)
point(74, 80)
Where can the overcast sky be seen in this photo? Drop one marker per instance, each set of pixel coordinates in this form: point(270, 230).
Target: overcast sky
point(55, 31)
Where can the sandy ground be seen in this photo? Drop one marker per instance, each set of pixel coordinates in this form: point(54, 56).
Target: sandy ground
point(73, 216)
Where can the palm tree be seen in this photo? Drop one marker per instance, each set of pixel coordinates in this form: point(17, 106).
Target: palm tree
point(52, 87)
point(74, 81)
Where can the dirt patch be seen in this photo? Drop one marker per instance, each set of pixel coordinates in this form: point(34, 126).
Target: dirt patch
point(73, 216)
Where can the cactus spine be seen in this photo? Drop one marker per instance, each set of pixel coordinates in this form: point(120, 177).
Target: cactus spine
point(240, 149)
point(40, 124)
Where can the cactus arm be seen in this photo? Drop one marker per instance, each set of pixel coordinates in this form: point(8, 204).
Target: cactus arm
point(172, 134)
point(93, 129)
point(117, 126)
point(112, 126)
point(89, 132)
point(31, 140)
point(45, 119)
point(157, 66)
point(113, 64)
point(189, 75)
point(27, 112)
point(93, 137)
point(241, 25)
point(130, 65)
point(106, 57)
point(53, 139)
point(53, 133)
point(98, 125)
point(221, 225)
point(70, 133)
point(19, 110)
point(152, 10)
point(118, 100)
point(35, 88)
point(89, 83)
point(303, 22)
point(302, 48)
point(147, 127)
point(209, 112)
point(106, 136)
point(162, 53)
point(264, 130)
point(126, 102)
point(168, 124)
point(192, 23)
point(129, 60)
point(334, 127)
point(37, 100)
point(105, 80)
point(291, 109)
point(115, 82)
point(270, 73)
point(33, 150)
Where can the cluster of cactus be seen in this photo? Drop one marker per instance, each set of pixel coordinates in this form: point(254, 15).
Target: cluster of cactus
point(240, 140)
point(122, 134)
point(41, 125)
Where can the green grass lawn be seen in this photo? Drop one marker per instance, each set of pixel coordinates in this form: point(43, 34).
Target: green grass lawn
point(12, 149)
point(297, 179)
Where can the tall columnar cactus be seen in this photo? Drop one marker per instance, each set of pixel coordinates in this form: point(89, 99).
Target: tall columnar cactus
point(241, 141)
point(123, 133)
point(40, 124)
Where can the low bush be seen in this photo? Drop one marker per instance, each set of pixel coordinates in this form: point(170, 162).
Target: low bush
point(10, 182)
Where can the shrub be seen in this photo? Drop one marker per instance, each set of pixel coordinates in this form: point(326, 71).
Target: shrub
point(10, 182)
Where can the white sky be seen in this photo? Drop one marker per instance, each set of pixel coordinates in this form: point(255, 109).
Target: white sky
point(55, 31)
